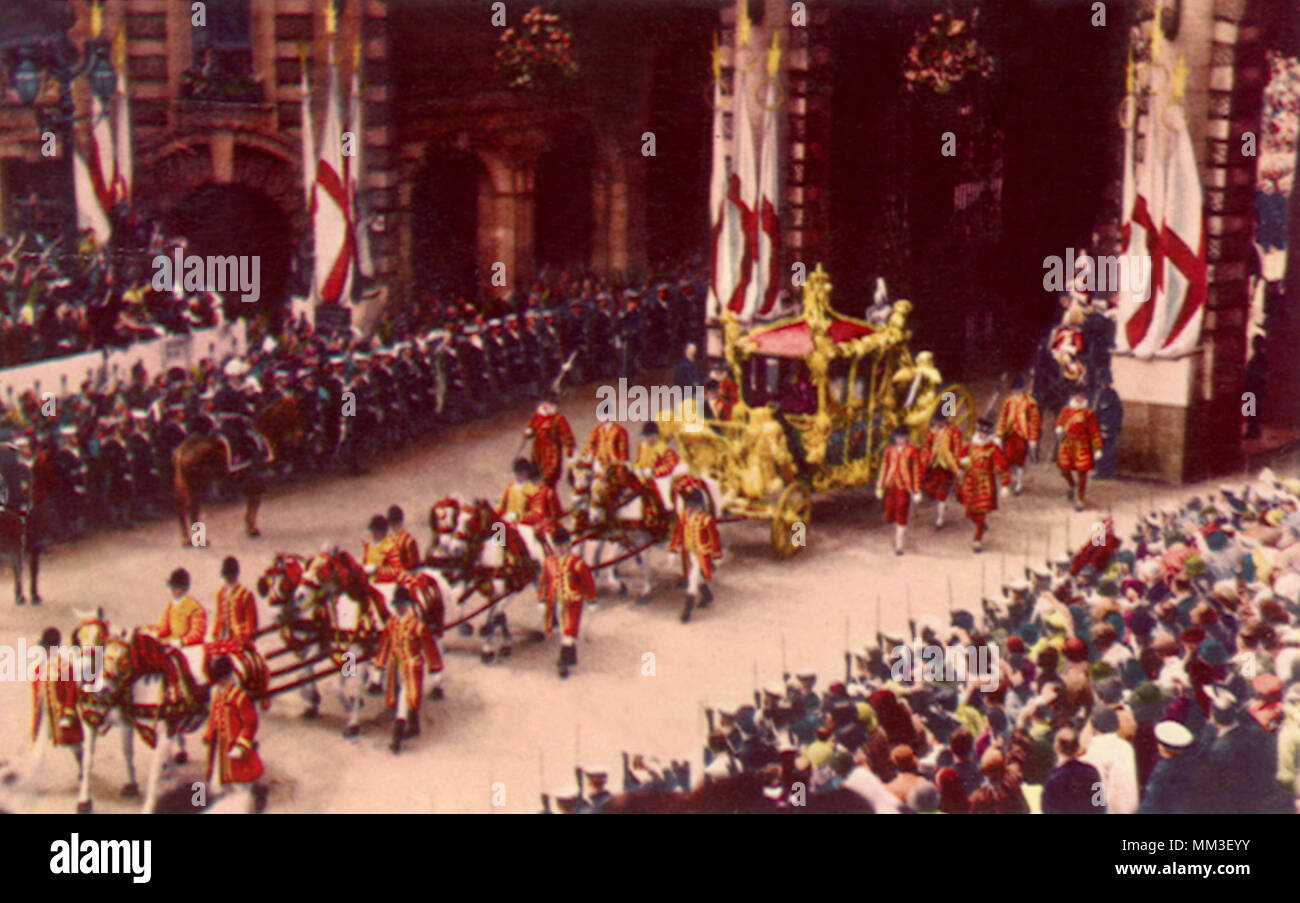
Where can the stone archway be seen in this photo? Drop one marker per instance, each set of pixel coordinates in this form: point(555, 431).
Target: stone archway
point(236, 219)
point(233, 193)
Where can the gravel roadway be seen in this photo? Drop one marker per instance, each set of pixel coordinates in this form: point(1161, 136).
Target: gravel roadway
point(515, 726)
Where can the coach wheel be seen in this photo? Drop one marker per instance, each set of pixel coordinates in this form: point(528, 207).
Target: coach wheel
point(957, 403)
point(793, 508)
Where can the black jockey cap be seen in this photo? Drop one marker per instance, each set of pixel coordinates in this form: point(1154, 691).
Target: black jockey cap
point(395, 516)
point(1018, 383)
point(378, 524)
point(51, 637)
point(220, 668)
point(401, 597)
point(522, 468)
point(230, 568)
point(650, 428)
point(559, 536)
point(180, 579)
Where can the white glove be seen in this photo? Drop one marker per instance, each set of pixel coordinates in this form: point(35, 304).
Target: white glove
point(371, 569)
point(1005, 491)
point(237, 752)
point(916, 498)
point(1060, 431)
point(1033, 448)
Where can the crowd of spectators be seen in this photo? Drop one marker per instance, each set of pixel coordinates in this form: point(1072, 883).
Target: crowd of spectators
point(1157, 675)
point(57, 300)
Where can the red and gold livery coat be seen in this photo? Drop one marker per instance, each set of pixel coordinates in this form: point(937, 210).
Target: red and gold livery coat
point(901, 468)
point(697, 534)
point(407, 647)
point(1080, 439)
point(1019, 424)
point(56, 701)
point(183, 619)
point(236, 618)
point(232, 725)
point(552, 440)
point(566, 583)
point(406, 549)
point(985, 466)
point(386, 558)
point(606, 444)
point(656, 457)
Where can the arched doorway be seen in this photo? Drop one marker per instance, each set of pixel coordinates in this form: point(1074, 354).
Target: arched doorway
point(221, 220)
point(563, 212)
point(444, 222)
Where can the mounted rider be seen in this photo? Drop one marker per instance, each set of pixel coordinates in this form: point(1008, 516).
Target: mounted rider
point(233, 408)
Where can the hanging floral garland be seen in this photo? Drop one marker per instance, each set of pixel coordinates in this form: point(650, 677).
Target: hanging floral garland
point(1281, 119)
point(946, 52)
point(536, 52)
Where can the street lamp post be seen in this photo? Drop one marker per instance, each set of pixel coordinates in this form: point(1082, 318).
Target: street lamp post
point(34, 64)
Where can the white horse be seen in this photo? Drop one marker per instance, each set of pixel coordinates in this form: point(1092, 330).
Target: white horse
point(482, 556)
point(612, 512)
point(124, 697)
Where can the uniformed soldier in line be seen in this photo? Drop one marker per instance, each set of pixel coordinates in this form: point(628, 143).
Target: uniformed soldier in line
point(576, 346)
point(631, 330)
point(549, 358)
point(530, 352)
point(600, 337)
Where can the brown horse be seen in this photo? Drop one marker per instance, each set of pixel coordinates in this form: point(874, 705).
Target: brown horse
point(199, 460)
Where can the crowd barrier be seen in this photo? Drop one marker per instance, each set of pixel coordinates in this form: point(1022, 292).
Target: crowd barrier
point(64, 376)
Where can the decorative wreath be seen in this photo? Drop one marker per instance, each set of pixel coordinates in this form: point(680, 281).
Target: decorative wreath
point(538, 51)
point(1281, 121)
point(946, 52)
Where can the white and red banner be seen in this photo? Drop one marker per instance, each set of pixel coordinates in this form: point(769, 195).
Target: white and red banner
point(357, 169)
point(123, 156)
point(722, 269)
point(1164, 220)
point(767, 274)
point(331, 206)
point(742, 195)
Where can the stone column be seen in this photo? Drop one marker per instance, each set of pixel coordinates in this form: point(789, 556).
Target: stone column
point(600, 219)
